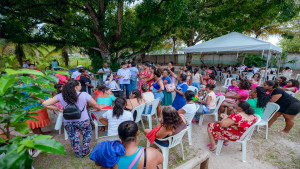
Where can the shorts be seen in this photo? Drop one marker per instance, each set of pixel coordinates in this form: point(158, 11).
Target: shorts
point(293, 109)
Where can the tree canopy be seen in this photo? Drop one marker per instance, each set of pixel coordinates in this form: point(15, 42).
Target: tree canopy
point(108, 28)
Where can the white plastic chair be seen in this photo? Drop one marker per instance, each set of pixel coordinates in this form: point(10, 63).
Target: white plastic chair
point(189, 124)
point(173, 141)
point(194, 89)
point(271, 77)
point(139, 113)
point(244, 138)
point(268, 113)
point(298, 77)
point(219, 75)
point(227, 83)
point(290, 93)
point(96, 122)
point(225, 76)
point(220, 100)
point(107, 138)
point(154, 105)
point(235, 76)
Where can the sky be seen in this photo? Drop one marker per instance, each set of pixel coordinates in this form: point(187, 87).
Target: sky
point(274, 39)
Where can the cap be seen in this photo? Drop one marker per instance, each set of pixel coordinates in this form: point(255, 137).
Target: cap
point(79, 66)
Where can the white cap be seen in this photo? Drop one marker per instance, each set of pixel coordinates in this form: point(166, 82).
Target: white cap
point(79, 66)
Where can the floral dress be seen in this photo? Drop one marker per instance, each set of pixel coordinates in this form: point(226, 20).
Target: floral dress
point(233, 132)
point(147, 74)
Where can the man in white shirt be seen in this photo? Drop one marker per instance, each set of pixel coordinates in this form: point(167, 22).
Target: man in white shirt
point(105, 71)
point(124, 75)
point(76, 73)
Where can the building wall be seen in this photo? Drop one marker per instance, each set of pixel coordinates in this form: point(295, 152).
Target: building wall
point(293, 65)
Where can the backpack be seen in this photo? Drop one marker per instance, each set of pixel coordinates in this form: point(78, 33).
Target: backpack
point(72, 112)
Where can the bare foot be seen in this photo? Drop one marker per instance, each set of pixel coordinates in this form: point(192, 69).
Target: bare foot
point(283, 132)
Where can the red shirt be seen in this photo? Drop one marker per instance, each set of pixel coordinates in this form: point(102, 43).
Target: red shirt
point(62, 78)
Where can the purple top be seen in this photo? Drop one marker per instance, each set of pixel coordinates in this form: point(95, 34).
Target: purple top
point(235, 89)
point(81, 102)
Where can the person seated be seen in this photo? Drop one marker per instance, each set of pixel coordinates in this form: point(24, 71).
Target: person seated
point(256, 78)
point(113, 118)
point(231, 127)
point(210, 101)
point(253, 82)
point(106, 99)
point(147, 96)
point(233, 87)
point(226, 70)
point(190, 106)
point(124, 153)
point(287, 70)
point(241, 95)
point(171, 124)
point(135, 100)
point(258, 99)
point(292, 85)
point(98, 91)
point(282, 81)
point(210, 79)
point(113, 85)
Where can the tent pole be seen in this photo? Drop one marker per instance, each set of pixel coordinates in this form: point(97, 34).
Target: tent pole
point(268, 60)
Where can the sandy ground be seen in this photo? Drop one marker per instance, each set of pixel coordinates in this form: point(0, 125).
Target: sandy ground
point(278, 151)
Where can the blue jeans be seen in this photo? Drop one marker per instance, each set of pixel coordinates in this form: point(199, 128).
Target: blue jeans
point(196, 85)
point(127, 86)
point(133, 83)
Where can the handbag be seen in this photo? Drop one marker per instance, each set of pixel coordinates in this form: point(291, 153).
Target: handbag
point(151, 135)
point(170, 87)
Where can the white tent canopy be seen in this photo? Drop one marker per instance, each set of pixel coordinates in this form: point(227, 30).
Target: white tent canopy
point(233, 42)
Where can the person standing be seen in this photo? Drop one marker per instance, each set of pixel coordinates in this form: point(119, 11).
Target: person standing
point(180, 89)
point(105, 71)
point(77, 73)
point(134, 73)
point(144, 74)
point(124, 75)
point(167, 100)
point(63, 79)
point(85, 82)
point(71, 95)
point(54, 64)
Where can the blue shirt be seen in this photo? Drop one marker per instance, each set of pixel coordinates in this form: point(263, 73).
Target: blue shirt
point(133, 71)
point(167, 79)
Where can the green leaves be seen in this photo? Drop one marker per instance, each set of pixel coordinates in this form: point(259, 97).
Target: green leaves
point(23, 71)
point(6, 82)
point(52, 78)
point(50, 146)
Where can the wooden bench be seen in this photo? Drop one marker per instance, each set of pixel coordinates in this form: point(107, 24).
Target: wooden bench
point(201, 161)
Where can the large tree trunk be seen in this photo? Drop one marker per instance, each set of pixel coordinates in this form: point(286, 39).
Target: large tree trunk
point(243, 60)
point(19, 54)
point(143, 55)
point(66, 57)
point(174, 38)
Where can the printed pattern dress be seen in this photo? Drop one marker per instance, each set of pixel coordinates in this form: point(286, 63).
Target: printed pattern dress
point(147, 74)
point(233, 132)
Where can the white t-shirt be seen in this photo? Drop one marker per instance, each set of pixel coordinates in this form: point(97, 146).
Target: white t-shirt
point(75, 74)
point(148, 96)
point(106, 72)
point(213, 102)
point(189, 109)
point(126, 73)
point(113, 122)
point(113, 85)
point(133, 71)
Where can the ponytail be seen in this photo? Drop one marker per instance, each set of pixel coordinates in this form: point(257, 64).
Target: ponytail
point(137, 94)
point(119, 107)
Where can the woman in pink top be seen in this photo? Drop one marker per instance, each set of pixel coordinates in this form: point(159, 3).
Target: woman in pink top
point(233, 87)
point(242, 95)
point(292, 85)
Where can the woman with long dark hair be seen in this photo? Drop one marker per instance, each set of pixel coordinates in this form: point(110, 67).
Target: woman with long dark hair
point(135, 100)
point(231, 127)
point(292, 86)
point(180, 89)
point(171, 124)
point(258, 99)
point(113, 118)
point(282, 81)
point(289, 105)
point(158, 88)
point(71, 95)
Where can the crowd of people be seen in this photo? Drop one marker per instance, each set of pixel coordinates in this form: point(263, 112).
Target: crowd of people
point(129, 87)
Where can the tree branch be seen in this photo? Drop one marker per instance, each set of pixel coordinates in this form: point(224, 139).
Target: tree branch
point(198, 37)
point(93, 15)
